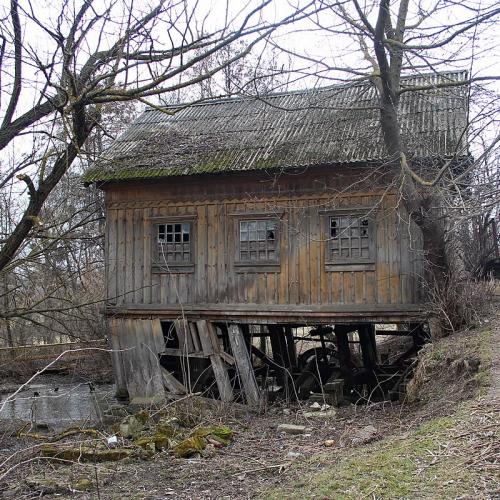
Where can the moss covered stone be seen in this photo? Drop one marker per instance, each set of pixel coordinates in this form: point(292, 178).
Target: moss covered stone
point(189, 447)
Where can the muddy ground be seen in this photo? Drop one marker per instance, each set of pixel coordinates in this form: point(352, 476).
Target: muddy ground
point(442, 442)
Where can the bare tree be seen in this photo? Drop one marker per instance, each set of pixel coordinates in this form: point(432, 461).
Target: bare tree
point(381, 41)
point(88, 55)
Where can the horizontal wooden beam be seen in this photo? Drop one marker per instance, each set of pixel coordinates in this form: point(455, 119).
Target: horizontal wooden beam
point(291, 314)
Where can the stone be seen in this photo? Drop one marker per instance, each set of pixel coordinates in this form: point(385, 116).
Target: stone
point(292, 429)
point(131, 426)
point(320, 414)
point(82, 485)
point(189, 447)
point(315, 407)
point(365, 435)
point(293, 455)
point(329, 443)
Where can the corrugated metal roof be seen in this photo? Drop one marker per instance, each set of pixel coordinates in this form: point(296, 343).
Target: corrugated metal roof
point(332, 125)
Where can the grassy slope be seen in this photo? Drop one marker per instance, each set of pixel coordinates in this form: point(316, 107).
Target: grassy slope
point(433, 460)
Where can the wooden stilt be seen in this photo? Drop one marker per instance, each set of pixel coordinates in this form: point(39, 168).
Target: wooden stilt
point(368, 346)
point(244, 365)
point(344, 351)
point(211, 348)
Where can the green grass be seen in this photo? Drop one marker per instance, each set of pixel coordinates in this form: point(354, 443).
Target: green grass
point(398, 467)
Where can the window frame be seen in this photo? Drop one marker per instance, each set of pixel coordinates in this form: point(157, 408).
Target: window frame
point(350, 263)
point(256, 265)
point(160, 266)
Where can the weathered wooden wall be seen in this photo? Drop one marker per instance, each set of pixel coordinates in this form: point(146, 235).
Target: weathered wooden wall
point(302, 279)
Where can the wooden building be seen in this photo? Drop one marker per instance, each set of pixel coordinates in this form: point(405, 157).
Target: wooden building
point(279, 212)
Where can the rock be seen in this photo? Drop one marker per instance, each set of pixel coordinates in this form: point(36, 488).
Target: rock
point(221, 435)
point(329, 443)
point(83, 484)
point(131, 426)
point(189, 447)
point(315, 407)
point(293, 455)
point(84, 454)
point(46, 486)
point(292, 429)
point(320, 414)
point(365, 435)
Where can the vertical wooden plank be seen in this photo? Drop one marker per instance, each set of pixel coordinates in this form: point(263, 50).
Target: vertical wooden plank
point(184, 335)
point(212, 237)
point(146, 249)
point(337, 286)
point(129, 256)
point(382, 268)
point(138, 256)
point(314, 252)
point(371, 288)
point(201, 263)
point(210, 344)
point(121, 263)
point(303, 256)
point(172, 384)
point(111, 257)
point(283, 295)
point(195, 337)
point(359, 289)
point(222, 254)
point(148, 364)
point(244, 365)
point(394, 254)
point(115, 328)
point(293, 259)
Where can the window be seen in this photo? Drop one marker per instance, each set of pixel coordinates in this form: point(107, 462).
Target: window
point(174, 243)
point(350, 239)
point(258, 241)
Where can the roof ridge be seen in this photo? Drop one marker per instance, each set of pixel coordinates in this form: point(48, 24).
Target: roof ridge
point(234, 99)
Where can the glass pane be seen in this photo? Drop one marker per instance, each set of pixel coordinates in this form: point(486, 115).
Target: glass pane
point(262, 234)
point(244, 245)
point(252, 225)
point(169, 237)
point(177, 228)
point(243, 226)
point(244, 255)
point(262, 255)
point(185, 237)
point(187, 256)
point(344, 252)
point(270, 255)
point(185, 228)
point(243, 236)
point(169, 228)
point(261, 225)
point(177, 237)
point(253, 236)
point(253, 255)
point(271, 235)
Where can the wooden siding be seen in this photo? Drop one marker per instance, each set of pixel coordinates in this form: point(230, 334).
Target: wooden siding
point(301, 279)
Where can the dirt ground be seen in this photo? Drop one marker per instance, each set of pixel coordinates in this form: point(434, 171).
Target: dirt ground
point(443, 442)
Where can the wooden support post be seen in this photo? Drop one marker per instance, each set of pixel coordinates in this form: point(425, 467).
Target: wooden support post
point(211, 348)
point(344, 351)
point(291, 348)
point(368, 346)
point(244, 365)
point(115, 326)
